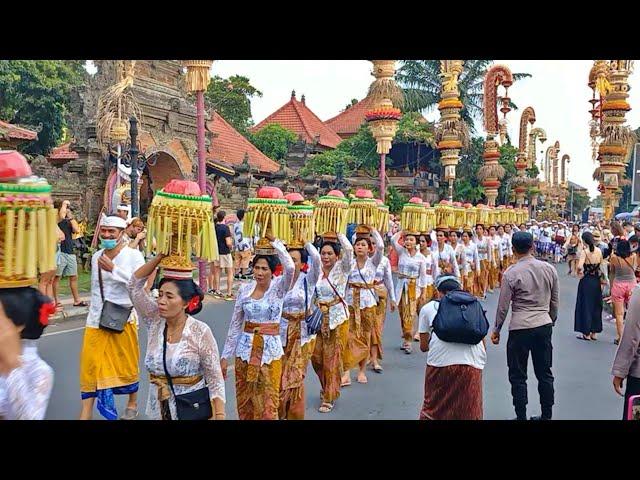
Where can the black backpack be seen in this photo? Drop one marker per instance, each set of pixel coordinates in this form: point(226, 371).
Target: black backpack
point(460, 319)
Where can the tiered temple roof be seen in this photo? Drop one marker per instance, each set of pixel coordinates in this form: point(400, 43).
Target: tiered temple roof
point(297, 117)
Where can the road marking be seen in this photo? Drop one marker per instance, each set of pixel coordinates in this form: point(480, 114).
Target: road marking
point(63, 331)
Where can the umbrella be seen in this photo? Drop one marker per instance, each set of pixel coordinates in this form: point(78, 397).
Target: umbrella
point(624, 216)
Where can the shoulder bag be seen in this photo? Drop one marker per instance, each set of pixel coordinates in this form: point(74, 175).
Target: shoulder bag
point(313, 319)
point(113, 317)
point(192, 405)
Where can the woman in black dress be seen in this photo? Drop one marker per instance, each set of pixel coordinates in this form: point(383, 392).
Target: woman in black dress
point(588, 313)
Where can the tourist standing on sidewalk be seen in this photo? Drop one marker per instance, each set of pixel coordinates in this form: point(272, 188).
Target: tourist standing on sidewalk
point(626, 365)
point(241, 248)
point(298, 344)
point(178, 340)
point(362, 301)
point(254, 339)
point(622, 275)
point(412, 279)
point(26, 381)
point(225, 260)
point(588, 311)
point(67, 261)
point(530, 287)
point(109, 357)
point(331, 341)
point(453, 376)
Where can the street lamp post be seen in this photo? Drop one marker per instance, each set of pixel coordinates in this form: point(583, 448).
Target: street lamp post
point(133, 156)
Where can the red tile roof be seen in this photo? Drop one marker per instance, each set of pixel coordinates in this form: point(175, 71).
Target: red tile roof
point(230, 146)
point(62, 153)
point(297, 117)
point(16, 132)
point(348, 122)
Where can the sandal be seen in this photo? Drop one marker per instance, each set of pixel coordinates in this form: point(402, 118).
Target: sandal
point(378, 368)
point(583, 337)
point(326, 407)
point(365, 380)
point(345, 384)
point(416, 337)
point(129, 414)
point(616, 341)
point(81, 304)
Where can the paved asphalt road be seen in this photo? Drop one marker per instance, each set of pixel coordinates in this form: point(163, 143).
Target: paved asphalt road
point(581, 369)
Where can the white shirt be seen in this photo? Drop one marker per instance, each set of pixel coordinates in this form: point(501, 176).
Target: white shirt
point(545, 235)
point(446, 256)
point(115, 283)
point(444, 354)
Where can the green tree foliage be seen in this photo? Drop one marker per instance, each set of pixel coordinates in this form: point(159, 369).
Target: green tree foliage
point(231, 98)
point(467, 187)
point(421, 83)
point(37, 92)
point(597, 202)
point(580, 202)
point(507, 159)
point(350, 104)
point(395, 199)
point(274, 141)
point(354, 153)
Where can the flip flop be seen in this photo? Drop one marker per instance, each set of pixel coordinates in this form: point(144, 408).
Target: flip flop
point(345, 384)
point(81, 304)
point(582, 337)
point(325, 407)
point(365, 381)
point(378, 369)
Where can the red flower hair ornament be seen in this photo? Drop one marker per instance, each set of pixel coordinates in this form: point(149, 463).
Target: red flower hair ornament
point(46, 309)
point(278, 270)
point(193, 303)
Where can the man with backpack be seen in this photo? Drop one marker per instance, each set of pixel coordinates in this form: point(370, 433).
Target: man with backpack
point(530, 287)
point(452, 329)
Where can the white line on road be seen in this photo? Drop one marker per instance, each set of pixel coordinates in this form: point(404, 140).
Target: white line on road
point(64, 331)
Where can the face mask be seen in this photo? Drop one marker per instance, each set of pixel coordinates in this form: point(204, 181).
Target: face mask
point(108, 243)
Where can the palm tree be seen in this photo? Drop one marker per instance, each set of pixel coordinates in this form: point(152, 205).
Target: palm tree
point(421, 83)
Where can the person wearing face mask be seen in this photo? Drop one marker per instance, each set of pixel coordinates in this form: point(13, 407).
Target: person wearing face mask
point(109, 359)
point(177, 343)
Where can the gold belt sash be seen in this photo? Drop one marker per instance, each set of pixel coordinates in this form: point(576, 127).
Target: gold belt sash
point(257, 346)
point(324, 308)
point(162, 383)
point(357, 287)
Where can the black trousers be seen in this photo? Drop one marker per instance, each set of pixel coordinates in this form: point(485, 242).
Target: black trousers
point(633, 388)
point(538, 342)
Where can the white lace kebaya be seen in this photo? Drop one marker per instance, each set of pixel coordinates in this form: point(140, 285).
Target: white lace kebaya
point(411, 267)
point(196, 354)
point(267, 309)
point(25, 392)
point(384, 276)
point(338, 276)
point(294, 300)
point(366, 274)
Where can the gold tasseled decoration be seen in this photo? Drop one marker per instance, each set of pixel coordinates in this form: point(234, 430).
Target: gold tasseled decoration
point(197, 74)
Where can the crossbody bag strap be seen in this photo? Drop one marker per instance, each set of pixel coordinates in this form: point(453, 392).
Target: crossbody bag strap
point(100, 281)
point(344, 304)
point(164, 360)
point(306, 295)
point(365, 282)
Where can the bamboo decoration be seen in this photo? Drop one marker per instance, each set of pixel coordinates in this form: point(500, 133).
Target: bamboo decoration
point(430, 215)
point(197, 74)
point(382, 217)
point(470, 215)
point(363, 209)
point(459, 215)
point(445, 215)
point(413, 218)
point(181, 221)
point(331, 213)
point(28, 237)
point(301, 224)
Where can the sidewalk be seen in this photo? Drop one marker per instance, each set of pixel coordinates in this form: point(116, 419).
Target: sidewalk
point(69, 312)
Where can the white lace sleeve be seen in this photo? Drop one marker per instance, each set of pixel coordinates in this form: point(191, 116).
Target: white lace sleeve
point(422, 276)
point(316, 265)
point(379, 248)
point(235, 327)
point(347, 253)
point(394, 242)
point(388, 282)
point(143, 302)
point(454, 261)
point(210, 360)
point(288, 268)
point(29, 391)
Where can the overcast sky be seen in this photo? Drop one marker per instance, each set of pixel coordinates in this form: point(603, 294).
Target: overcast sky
point(557, 91)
